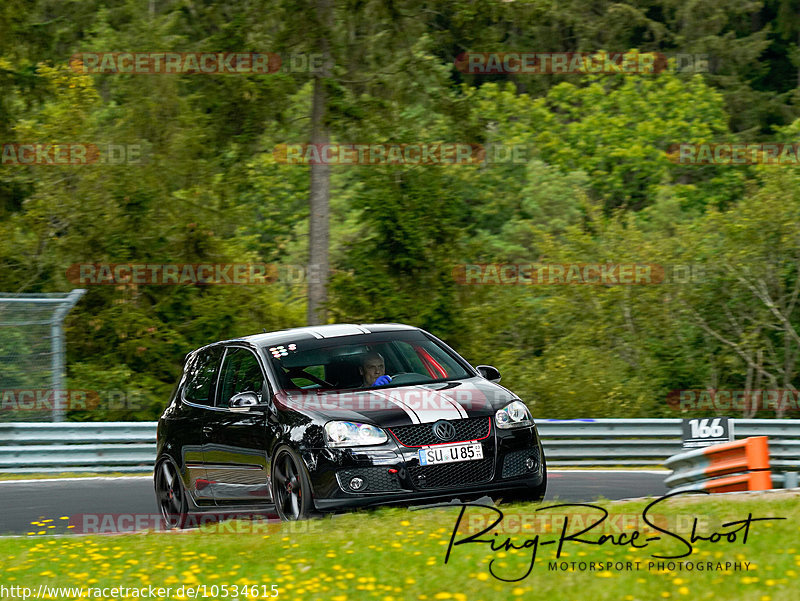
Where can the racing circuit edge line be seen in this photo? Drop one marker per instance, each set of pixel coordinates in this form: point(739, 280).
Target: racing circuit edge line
point(88, 478)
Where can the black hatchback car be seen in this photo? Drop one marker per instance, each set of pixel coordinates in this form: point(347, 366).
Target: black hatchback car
point(316, 419)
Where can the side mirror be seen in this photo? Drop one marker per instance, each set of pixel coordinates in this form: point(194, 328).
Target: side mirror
point(243, 401)
point(489, 372)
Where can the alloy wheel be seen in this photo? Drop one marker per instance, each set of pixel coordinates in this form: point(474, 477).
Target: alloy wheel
point(170, 495)
point(288, 487)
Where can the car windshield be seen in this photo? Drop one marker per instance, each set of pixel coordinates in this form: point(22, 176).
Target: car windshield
point(363, 361)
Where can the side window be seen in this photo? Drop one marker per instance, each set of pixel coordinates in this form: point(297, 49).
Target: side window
point(201, 375)
point(240, 373)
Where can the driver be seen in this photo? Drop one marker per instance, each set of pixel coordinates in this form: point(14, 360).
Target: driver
point(373, 370)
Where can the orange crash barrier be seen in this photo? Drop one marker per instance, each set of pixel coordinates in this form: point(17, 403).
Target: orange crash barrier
point(709, 468)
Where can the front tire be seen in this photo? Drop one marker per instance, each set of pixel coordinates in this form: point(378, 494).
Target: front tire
point(291, 486)
point(170, 495)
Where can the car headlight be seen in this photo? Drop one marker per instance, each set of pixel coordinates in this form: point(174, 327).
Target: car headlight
point(513, 415)
point(353, 434)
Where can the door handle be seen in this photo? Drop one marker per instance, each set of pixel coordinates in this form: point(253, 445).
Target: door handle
point(207, 429)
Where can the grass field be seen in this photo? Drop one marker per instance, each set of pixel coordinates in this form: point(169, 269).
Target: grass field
point(397, 554)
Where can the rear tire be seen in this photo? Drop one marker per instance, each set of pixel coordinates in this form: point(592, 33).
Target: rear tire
point(170, 495)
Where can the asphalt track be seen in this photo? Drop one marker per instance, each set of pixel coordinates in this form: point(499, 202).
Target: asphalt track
point(25, 501)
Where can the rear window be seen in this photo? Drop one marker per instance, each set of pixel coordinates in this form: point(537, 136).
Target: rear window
point(407, 357)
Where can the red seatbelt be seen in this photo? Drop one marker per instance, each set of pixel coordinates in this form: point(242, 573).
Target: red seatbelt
point(430, 363)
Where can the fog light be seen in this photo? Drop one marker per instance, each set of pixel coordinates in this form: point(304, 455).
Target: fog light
point(356, 483)
point(530, 463)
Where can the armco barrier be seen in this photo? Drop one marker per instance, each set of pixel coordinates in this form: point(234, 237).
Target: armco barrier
point(77, 447)
point(130, 446)
point(605, 442)
point(710, 468)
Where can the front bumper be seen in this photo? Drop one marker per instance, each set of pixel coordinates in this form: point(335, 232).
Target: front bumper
point(391, 473)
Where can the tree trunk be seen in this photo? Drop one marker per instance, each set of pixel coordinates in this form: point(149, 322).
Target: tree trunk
point(318, 235)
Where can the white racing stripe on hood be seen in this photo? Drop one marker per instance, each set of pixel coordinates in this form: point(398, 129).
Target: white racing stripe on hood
point(423, 405)
point(408, 410)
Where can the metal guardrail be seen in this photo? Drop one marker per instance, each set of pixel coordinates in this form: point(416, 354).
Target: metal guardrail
point(608, 442)
point(131, 446)
point(77, 447)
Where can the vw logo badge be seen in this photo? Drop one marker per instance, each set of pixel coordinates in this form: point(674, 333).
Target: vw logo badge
point(444, 430)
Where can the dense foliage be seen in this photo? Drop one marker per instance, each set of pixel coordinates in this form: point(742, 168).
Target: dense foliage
point(596, 186)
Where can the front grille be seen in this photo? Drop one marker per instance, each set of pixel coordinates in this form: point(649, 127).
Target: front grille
point(419, 435)
point(514, 462)
point(448, 475)
point(376, 479)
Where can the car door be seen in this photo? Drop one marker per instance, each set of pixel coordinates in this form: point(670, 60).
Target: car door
point(235, 438)
point(197, 398)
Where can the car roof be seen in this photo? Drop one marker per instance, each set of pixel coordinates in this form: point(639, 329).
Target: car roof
point(320, 332)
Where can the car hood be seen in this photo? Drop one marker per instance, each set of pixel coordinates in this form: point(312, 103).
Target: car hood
point(401, 405)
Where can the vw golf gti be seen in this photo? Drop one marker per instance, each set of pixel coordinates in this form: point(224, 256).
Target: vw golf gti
point(324, 418)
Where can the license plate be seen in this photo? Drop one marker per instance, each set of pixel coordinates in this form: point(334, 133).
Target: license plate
point(450, 454)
